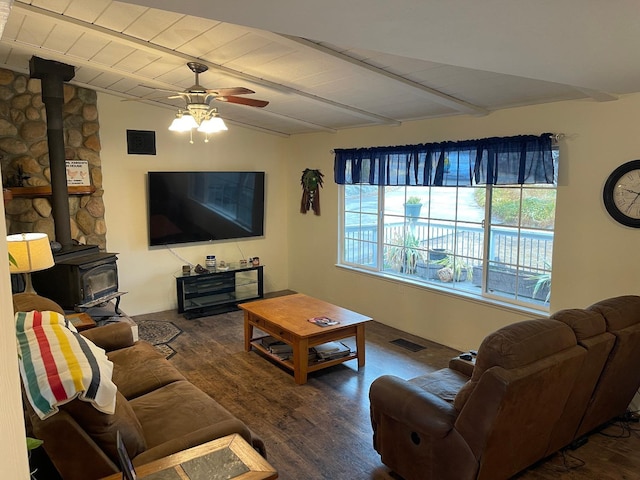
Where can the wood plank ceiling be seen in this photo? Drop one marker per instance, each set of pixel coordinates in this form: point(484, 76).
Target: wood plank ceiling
point(132, 50)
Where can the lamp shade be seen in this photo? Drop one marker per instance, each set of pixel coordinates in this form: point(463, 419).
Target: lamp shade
point(183, 123)
point(31, 252)
point(212, 125)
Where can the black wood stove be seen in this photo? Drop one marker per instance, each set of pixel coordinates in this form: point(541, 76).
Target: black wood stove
point(82, 277)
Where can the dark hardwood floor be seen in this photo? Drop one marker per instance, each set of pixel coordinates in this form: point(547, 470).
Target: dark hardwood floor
point(321, 430)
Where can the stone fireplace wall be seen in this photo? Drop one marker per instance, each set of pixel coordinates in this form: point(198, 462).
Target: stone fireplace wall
point(23, 147)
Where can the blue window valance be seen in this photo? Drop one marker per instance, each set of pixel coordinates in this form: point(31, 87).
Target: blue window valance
point(523, 159)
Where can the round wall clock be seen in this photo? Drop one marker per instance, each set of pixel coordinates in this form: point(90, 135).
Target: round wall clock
point(621, 194)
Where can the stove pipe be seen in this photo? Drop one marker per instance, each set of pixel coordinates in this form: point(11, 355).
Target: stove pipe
point(52, 76)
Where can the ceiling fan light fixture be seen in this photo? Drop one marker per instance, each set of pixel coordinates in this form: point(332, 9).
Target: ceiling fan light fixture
point(199, 112)
point(189, 122)
point(212, 125)
point(182, 123)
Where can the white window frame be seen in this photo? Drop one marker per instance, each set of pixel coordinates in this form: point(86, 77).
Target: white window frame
point(483, 293)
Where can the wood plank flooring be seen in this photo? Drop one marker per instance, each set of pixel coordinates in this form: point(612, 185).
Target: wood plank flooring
point(321, 430)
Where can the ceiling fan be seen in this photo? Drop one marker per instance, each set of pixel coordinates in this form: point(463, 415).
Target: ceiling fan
point(198, 94)
point(198, 99)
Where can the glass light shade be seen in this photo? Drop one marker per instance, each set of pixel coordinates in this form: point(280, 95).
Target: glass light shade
point(30, 251)
point(176, 125)
point(212, 125)
point(183, 123)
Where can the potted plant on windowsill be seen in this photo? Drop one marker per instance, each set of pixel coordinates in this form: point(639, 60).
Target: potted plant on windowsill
point(412, 207)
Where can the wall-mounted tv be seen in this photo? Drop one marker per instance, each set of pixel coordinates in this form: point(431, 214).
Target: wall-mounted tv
point(186, 207)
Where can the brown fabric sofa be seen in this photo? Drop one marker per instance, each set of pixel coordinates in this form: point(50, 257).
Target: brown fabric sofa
point(158, 412)
point(536, 387)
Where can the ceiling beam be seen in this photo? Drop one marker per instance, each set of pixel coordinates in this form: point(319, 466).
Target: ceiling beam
point(431, 93)
point(598, 95)
point(160, 50)
point(435, 95)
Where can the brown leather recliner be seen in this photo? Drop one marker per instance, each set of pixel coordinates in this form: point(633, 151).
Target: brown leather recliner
point(590, 329)
point(441, 426)
point(620, 378)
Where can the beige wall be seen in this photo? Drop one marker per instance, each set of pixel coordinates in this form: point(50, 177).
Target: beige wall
point(148, 273)
point(594, 257)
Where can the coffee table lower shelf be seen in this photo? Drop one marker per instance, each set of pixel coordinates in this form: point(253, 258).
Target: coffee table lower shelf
point(314, 365)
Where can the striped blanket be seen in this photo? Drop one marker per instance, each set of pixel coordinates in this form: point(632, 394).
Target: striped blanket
point(57, 364)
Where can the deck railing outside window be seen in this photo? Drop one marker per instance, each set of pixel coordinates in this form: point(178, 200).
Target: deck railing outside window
point(508, 276)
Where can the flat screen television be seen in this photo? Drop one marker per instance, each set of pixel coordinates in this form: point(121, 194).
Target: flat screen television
point(187, 207)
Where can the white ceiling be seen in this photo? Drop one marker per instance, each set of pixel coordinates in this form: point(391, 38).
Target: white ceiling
point(334, 64)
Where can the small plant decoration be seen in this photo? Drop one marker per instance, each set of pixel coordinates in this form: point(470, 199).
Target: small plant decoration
point(412, 208)
point(453, 269)
point(311, 182)
point(33, 443)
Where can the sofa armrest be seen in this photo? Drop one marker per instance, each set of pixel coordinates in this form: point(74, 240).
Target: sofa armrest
point(25, 302)
point(411, 405)
point(65, 441)
point(113, 336)
point(465, 367)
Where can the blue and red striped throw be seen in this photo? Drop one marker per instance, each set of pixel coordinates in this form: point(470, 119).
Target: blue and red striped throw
point(57, 364)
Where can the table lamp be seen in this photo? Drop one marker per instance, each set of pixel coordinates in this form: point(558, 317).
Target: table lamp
point(29, 252)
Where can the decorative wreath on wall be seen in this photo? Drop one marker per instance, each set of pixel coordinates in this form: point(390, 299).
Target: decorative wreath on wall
point(311, 182)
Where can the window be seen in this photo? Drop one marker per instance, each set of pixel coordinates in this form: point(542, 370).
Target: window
point(490, 240)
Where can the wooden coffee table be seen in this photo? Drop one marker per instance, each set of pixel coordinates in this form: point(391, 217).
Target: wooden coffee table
point(286, 318)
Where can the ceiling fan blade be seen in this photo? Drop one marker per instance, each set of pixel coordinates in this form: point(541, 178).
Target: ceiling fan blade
point(161, 89)
point(225, 92)
point(142, 99)
point(243, 101)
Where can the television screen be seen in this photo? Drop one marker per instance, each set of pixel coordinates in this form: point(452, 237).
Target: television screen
point(187, 207)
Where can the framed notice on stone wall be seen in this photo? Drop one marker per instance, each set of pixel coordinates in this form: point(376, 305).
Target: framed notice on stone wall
point(78, 173)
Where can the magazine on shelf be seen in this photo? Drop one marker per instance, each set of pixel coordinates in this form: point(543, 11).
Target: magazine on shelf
point(281, 348)
point(331, 350)
point(323, 321)
point(269, 340)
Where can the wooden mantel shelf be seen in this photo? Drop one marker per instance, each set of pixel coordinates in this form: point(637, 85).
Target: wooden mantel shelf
point(45, 191)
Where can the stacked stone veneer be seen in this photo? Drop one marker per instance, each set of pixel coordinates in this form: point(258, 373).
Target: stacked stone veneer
point(23, 144)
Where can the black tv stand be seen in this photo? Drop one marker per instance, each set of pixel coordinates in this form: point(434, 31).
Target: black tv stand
point(218, 291)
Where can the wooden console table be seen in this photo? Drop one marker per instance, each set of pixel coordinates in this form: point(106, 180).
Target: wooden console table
point(229, 457)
